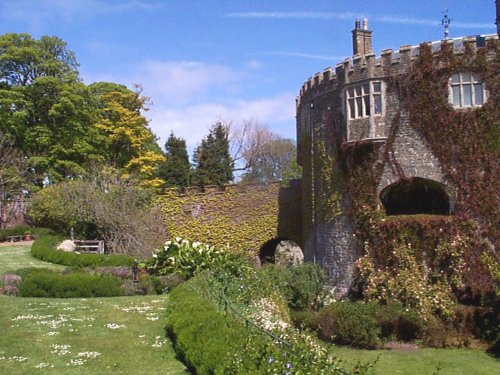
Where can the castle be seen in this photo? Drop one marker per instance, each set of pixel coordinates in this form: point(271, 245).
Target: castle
point(369, 105)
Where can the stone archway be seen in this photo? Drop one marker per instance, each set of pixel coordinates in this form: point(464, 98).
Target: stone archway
point(414, 196)
point(281, 251)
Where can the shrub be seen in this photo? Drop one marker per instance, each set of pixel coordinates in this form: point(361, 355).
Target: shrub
point(45, 283)
point(303, 284)
point(210, 341)
point(300, 285)
point(188, 258)
point(16, 231)
point(9, 284)
point(397, 322)
point(44, 248)
point(202, 335)
point(350, 323)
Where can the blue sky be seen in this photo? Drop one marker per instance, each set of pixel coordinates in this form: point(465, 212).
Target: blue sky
point(202, 61)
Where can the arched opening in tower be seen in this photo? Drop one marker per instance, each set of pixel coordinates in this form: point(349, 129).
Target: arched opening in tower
point(414, 196)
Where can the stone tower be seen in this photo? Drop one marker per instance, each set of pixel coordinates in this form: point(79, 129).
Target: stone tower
point(354, 105)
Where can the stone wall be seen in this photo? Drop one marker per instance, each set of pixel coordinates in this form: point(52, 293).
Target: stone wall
point(244, 217)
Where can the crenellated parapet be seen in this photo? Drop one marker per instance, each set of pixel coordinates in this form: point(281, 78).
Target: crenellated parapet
point(390, 62)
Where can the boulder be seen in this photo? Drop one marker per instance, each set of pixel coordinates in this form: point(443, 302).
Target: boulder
point(67, 245)
point(288, 253)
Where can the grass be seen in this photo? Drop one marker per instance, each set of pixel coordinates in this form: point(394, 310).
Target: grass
point(121, 335)
point(423, 361)
point(19, 256)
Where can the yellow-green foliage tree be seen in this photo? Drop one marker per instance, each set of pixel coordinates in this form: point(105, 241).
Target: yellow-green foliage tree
point(130, 145)
point(243, 217)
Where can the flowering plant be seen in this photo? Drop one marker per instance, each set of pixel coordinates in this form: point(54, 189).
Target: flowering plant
point(186, 257)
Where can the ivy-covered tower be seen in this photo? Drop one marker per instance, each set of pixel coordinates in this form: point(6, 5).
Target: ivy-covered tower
point(381, 137)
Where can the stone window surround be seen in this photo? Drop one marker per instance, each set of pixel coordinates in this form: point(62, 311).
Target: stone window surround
point(360, 93)
point(460, 81)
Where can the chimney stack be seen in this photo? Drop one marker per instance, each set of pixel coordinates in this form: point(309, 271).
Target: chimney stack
point(361, 38)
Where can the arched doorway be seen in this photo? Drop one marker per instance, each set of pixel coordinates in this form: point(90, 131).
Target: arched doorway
point(414, 196)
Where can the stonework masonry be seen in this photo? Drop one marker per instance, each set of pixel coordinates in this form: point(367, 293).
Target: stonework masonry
point(352, 103)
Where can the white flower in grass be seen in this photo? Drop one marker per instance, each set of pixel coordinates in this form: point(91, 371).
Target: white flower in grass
point(43, 365)
point(18, 358)
point(76, 362)
point(52, 333)
point(158, 342)
point(114, 326)
point(89, 355)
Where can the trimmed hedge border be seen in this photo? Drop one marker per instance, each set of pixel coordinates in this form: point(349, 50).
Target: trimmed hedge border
point(44, 248)
point(203, 336)
point(45, 283)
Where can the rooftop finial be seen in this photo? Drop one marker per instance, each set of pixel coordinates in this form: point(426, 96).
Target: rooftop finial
point(446, 23)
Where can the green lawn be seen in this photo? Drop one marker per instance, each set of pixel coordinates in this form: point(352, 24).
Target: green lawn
point(122, 335)
point(19, 256)
point(424, 361)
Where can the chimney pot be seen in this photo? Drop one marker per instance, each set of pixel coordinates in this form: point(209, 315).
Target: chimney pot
point(365, 24)
point(357, 25)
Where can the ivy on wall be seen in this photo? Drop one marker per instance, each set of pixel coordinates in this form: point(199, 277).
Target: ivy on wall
point(243, 217)
point(428, 261)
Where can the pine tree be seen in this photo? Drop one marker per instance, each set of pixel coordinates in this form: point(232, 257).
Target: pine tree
point(214, 165)
point(176, 169)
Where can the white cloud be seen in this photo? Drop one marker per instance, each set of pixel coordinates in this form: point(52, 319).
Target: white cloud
point(183, 81)
point(188, 97)
point(192, 122)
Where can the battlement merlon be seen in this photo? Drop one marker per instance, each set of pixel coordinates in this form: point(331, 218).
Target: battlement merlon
point(390, 59)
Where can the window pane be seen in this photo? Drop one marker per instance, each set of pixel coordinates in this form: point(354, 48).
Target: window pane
point(366, 88)
point(376, 87)
point(352, 112)
point(358, 91)
point(359, 105)
point(366, 101)
point(476, 77)
point(455, 78)
point(467, 89)
point(350, 92)
point(377, 99)
point(456, 96)
point(466, 77)
point(478, 94)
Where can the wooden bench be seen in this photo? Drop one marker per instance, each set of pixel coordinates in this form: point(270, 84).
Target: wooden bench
point(89, 246)
point(15, 238)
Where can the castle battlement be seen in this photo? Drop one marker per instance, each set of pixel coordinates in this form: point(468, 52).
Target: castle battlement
point(390, 62)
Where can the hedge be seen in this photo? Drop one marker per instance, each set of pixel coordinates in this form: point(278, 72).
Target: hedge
point(203, 336)
point(46, 283)
point(44, 248)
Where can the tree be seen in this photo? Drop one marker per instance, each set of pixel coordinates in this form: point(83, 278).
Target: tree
point(214, 164)
point(45, 107)
point(24, 59)
point(176, 170)
point(127, 141)
point(122, 214)
point(275, 160)
point(15, 178)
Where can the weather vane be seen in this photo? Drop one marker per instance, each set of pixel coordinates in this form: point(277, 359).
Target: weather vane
point(446, 23)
